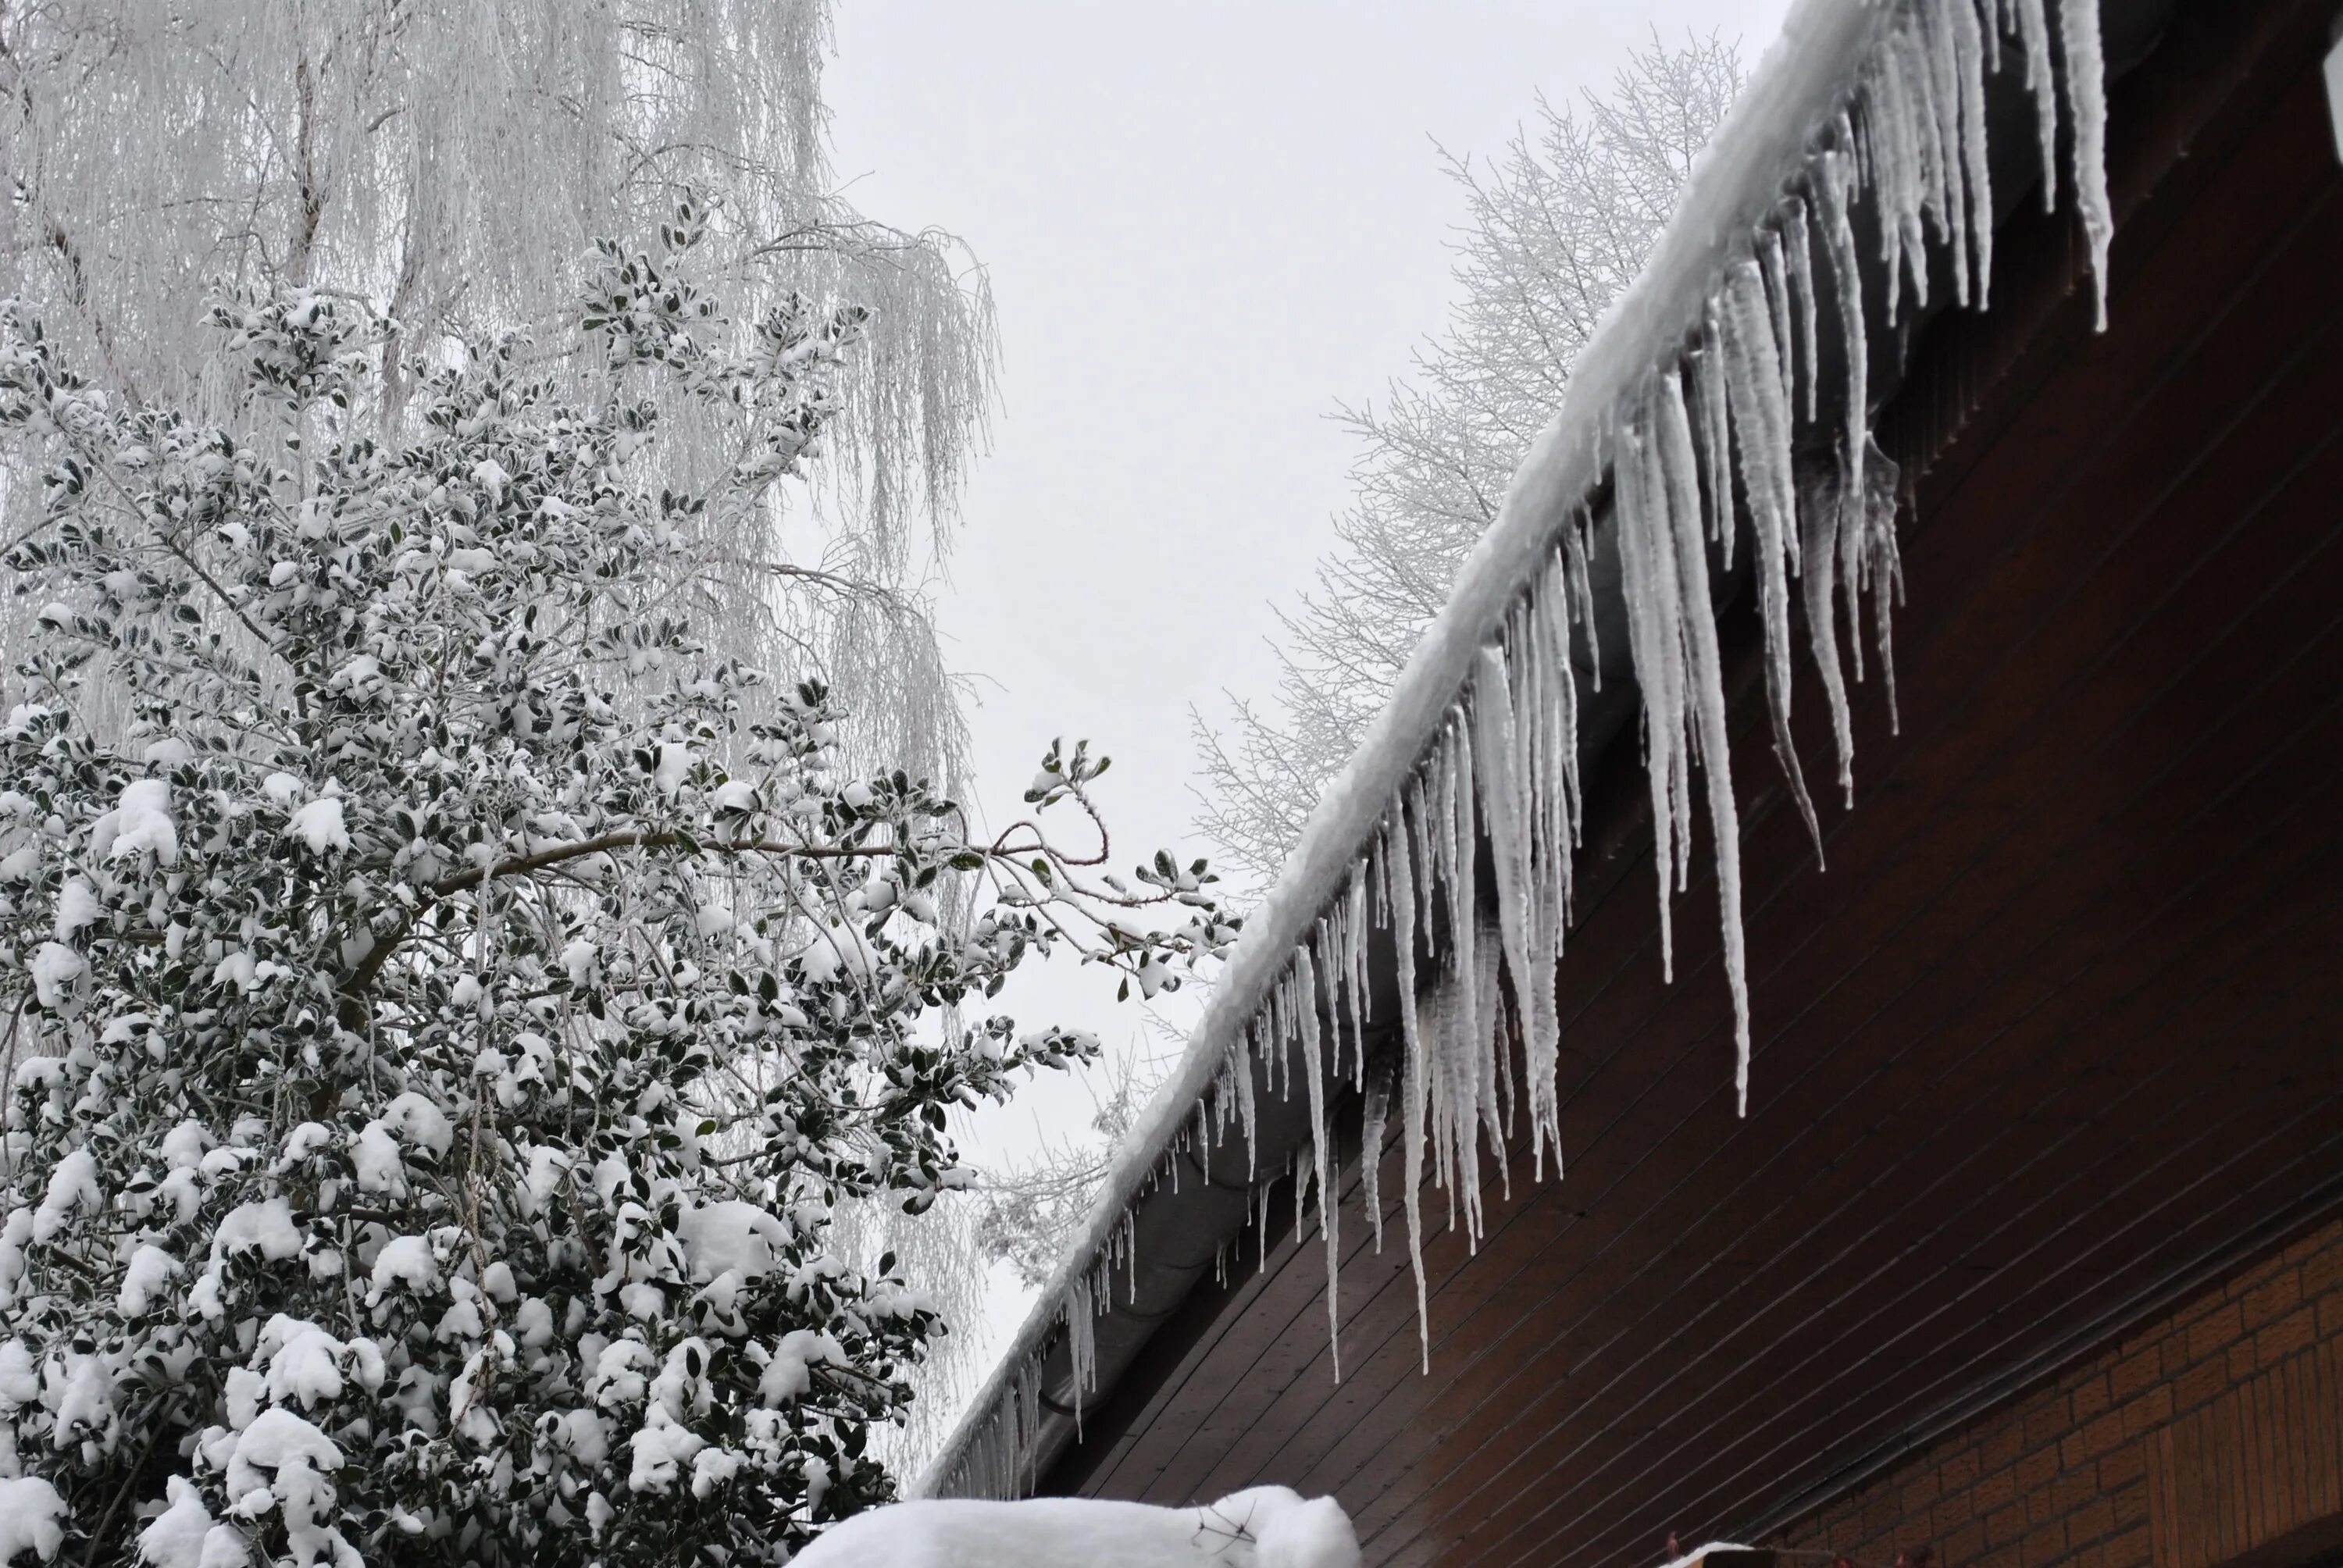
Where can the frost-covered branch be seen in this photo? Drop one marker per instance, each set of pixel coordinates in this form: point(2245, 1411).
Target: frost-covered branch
point(1557, 226)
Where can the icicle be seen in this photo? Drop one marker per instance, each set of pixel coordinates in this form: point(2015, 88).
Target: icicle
point(1370, 1153)
point(1941, 55)
point(1451, 997)
point(1267, 1037)
point(1497, 1024)
point(1322, 1135)
point(1248, 1112)
point(1822, 512)
point(1833, 189)
point(1378, 872)
point(1798, 244)
point(1326, 940)
point(1490, 1071)
point(1439, 1014)
point(1705, 680)
point(2086, 106)
point(1761, 435)
point(1412, 1076)
point(1473, 1022)
point(1356, 965)
point(1447, 883)
point(1775, 272)
point(1899, 183)
point(2033, 37)
point(1545, 723)
point(1970, 63)
point(1422, 799)
point(1081, 1342)
point(1648, 611)
point(1454, 1098)
point(1343, 998)
point(1506, 801)
point(1910, 44)
point(1574, 553)
point(1715, 433)
point(1563, 805)
point(1548, 717)
point(1882, 571)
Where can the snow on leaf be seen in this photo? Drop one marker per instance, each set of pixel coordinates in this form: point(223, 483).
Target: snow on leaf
point(405, 1261)
point(73, 1191)
point(55, 968)
point(31, 1515)
point(142, 824)
point(149, 1271)
point(318, 824)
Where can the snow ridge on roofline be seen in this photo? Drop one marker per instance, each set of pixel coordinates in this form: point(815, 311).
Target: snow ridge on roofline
point(1706, 359)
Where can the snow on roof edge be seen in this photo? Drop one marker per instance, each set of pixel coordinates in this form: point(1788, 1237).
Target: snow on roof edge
point(1799, 84)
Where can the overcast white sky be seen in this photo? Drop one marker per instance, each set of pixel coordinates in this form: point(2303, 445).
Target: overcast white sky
point(1203, 223)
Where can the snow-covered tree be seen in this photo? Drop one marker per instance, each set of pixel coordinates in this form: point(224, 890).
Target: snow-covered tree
point(1555, 229)
point(1032, 1208)
point(441, 1019)
point(450, 162)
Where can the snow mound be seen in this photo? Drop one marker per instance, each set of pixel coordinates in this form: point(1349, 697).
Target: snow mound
point(1265, 1527)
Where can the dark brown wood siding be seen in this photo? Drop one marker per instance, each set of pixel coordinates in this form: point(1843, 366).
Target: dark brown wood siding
point(2058, 1024)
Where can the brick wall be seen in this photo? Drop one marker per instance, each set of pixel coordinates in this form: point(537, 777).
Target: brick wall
point(2211, 1437)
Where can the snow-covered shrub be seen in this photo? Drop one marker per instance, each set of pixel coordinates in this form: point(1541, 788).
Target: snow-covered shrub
point(441, 1022)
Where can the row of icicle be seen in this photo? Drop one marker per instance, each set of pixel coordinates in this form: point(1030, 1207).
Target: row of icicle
point(1908, 142)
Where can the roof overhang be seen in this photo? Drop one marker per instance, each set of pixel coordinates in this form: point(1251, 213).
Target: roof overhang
point(1188, 1184)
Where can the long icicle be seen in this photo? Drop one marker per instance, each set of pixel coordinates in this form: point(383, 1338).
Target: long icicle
point(2086, 108)
point(1834, 186)
point(1544, 862)
point(1504, 774)
point(1937, 43)
point(1321, 1136)
point(1716, 440)
point(1646, 643)
point(1413, 1085)
point(1970, 64)
point(1797, 245)
point(2034, 38)
point(1704, 681)
point(1897, 185)
point(1774, 268)
point(1822, 515)
point(1761, 435)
